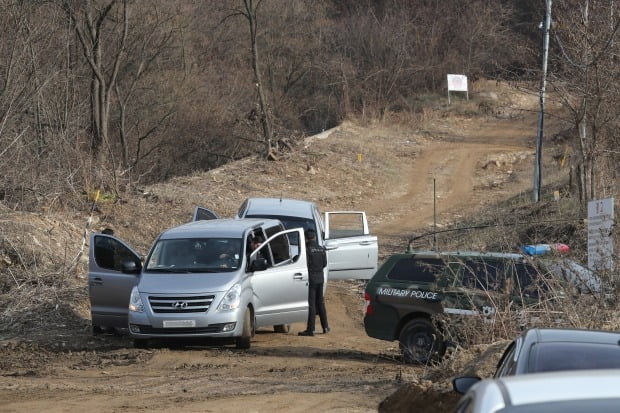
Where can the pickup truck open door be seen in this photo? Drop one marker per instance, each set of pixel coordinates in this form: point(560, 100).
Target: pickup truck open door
point(352, 253)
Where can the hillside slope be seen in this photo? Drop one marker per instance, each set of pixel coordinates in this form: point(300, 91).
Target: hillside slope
point(470, 155)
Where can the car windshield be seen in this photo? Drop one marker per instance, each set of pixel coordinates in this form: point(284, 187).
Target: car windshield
point(574, 356)
point(193, 255)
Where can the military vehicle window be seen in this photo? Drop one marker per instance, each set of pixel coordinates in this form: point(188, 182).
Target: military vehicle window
point(416, 270)
point(526, 279)
point(449, 276)
point(484, 275)
point(110, 253)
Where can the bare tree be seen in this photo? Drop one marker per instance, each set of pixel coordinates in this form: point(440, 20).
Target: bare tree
point(89, 19)
point(249, 10)
point(585, 78)
point(149, 43)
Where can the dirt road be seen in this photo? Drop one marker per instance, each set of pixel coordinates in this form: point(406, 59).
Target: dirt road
point(343, 371)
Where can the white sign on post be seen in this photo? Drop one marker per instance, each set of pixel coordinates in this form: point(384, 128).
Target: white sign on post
point(600, 241)
point(457, 83)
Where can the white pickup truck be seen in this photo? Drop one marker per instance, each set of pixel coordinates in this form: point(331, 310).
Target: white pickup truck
point(352, 252)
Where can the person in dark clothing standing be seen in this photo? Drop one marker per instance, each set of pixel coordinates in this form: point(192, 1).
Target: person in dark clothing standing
point(317, 260)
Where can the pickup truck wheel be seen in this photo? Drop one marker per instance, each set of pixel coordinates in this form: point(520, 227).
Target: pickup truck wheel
point(282, 328)
point(243, 342)
point(141, 343)
point(419, 341)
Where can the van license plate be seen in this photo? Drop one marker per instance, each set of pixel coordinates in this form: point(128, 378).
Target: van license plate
point(179, 323)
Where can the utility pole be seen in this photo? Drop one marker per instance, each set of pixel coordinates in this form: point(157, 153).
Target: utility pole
point(541, 116)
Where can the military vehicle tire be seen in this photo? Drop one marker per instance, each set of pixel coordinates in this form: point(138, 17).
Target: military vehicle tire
point(420, 342)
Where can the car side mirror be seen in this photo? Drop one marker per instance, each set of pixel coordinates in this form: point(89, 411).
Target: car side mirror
point(331, 245)
point(259, 264)
point(131, 267)
point(463, 384)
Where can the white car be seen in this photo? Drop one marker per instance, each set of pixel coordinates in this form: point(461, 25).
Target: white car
point(574, 391)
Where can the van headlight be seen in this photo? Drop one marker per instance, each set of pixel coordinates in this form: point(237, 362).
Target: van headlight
point(232, 299)
point(135, 301)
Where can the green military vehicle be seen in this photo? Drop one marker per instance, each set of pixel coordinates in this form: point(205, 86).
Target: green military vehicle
point(424, 298)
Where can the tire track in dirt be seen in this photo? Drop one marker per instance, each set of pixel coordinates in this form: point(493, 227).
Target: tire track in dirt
point(454, 167)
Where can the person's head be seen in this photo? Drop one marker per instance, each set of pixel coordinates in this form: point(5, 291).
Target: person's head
point(255, 242)
point(310, 234)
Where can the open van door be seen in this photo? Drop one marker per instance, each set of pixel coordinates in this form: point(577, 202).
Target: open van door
point(203, 214)
point(109, 281)
point(280, 273)
point(352, 253)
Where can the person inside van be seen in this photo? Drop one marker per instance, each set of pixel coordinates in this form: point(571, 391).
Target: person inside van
point(255, 242)
point(228, 256)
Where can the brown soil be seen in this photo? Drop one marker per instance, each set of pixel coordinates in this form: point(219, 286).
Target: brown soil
point(50, 362)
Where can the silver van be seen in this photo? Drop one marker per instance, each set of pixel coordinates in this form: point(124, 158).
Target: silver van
point(201, 280)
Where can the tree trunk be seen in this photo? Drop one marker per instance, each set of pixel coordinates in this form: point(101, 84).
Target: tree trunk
point(265, 119)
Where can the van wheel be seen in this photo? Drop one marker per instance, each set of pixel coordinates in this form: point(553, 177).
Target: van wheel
point(243, 342)
point(282, 328)
point(141, 343)
point(420, 342)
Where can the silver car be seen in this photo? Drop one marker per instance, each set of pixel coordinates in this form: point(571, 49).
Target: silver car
point(201, 280)
point(574, 391)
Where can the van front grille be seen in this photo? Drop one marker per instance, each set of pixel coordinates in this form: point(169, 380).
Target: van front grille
point(178, 305)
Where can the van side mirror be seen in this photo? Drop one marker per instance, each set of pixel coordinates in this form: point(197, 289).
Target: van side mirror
point(331, 245)
point(259, 264)
point(131, 267)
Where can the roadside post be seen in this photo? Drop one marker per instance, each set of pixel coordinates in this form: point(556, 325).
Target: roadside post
point(600, 240)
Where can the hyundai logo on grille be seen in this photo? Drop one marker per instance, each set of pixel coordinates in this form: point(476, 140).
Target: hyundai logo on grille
point(179, 305)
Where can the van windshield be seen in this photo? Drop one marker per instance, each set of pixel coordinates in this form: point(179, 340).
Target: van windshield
point(192, 255)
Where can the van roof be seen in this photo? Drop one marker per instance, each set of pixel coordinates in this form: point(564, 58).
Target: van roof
point(224, 228)
point(279, 207)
